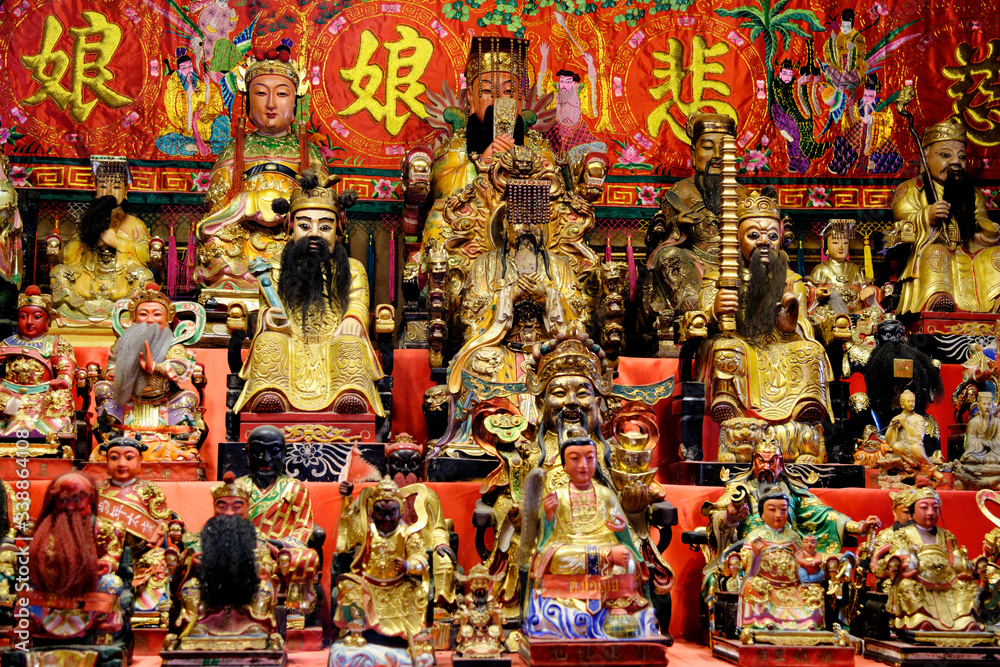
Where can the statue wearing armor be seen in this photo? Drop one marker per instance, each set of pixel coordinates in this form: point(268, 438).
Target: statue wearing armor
point(107, 260)
point(311, 352)
point(251, 173)
point(955, 261)
point(36, 394)
point(141, 396)
point(11, 227)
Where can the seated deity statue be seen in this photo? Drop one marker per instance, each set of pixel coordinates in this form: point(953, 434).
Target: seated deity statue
point(11, 228)
point(479, 626)
point(587, 577)
point(282, 513)
point(841, 283)
point(73, 560)
point(252, 171)
point(38, 372)
point(930, 582)
point(387, 587)
point(901, 501)
point(142, 508)
point(493, 121)
point(311, 351)
point(979, 465)
point(904, 438)
point(682, 240)
point(140, 396)
point(771, 367)
point(954, 259)
point(736, 514)
point(109, 257)
point(227, 601)
point(988, 565)
point(773, 596)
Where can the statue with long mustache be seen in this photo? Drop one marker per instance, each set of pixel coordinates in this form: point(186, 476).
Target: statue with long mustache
point(682, 240)
point(955, 261)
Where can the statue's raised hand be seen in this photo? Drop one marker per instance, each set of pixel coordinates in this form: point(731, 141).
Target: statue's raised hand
point(787, 316)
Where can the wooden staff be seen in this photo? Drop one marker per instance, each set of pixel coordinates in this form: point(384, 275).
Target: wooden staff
point(729, 274)
point(907, 95)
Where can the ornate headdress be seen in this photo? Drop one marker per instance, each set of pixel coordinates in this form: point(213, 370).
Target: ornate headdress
point(386, 490)
point(924, 493)
point(229, 488)
point(315, 195)
point(757, 206)
point(498, 54)
point(951, 129)
point(703, 123)
point(842, 228)
point(569, 356)
point(902, 498)
point(112, 167)
point(108, 445)
point(404, 441)
point(33, 297)
point(273, 61)
point(151, 294)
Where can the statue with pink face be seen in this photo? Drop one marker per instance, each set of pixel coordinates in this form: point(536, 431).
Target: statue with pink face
point(141, 396)
point(38, 368)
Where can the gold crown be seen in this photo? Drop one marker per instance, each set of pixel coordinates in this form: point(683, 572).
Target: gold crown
point(112, 167)
point(951, 129)
point(902, 498)
point(704, 123)
point(757, 206)
point(497, 54)
point(924, 493)
point(252, 67)
point(569, 356)
point(33, 297)
point(386, 490)
point(230, 489)
point(404, 441)
point(151, 294)
point(840, 228)
point(322, 197)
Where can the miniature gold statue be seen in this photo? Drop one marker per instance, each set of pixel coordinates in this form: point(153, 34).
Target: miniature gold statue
point(11, 228)
point(682, 240)
point(771, 367)
point(36, 394)
point(251, 173)
point(389, 571)
point(142, 508)
point(953, 264)
point(108, 258)
point(141, 395)
point(838, 275)
point(311, 352)
point(904, 438)
point(930, 582)
point(478, 622)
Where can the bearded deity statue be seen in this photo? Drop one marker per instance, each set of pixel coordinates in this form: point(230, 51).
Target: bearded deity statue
point(955, 262)
point(311, 351)
point(840, 283)
point(251, 173)
point(227, 603)
point(682, 240)
point(142, 508)
point(140, 396)
point(39, 369)
point(73, 560)
point(109, 257)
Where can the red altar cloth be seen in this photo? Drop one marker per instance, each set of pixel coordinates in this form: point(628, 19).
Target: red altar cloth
point(193, 501)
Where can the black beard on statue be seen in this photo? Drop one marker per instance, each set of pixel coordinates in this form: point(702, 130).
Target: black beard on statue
point(760, 294)
point(884, 387)
point(96, 220)
point(479, 133)
point(961, 194)
point(710, 187)
point(313, 277)
point(228, 569)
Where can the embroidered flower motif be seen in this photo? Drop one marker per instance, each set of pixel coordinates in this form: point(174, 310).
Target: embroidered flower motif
point(818, 197)
point(647, 195)
point(383, 188)
point(642, 141)
point(638, 38)
point(200, 180)
point(19, 176)
point(339, 128)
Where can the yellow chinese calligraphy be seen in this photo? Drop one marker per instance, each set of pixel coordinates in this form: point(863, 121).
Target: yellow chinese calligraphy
point(90, 61)
point(411, 54)
point(672, 88)
point(975, 91)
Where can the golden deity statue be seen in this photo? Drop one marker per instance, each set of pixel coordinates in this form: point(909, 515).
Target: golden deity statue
point(141, 394)
point(955, 261)
point(107, 259)
point(311, 352)
point(388, 581)
point(38, 375)
point(11, 228)
point(771, 367)
point(844, 281)
point(930, 581)
point(250, 174)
